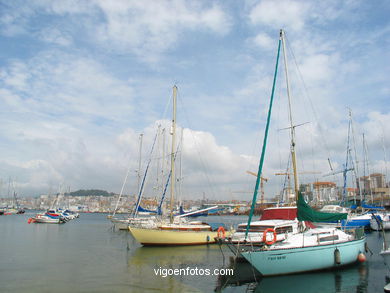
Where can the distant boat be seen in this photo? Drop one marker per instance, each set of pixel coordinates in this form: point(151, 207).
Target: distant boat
point(46, 218)
point(15, 210)
point(311, 249)
point(354, 220)
point(53, 216)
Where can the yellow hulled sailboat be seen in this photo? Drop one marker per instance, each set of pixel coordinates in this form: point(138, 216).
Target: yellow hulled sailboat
point(175, 234)
point(176, 231)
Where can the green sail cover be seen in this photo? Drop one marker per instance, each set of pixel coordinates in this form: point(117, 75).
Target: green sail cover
point(306, 213)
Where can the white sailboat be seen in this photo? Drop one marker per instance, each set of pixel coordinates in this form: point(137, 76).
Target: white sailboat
point(311, 249)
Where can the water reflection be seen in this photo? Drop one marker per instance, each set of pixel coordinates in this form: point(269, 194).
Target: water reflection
point(349, 279)
point(149, 265)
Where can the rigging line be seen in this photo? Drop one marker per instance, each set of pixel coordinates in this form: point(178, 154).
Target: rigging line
point(356, 168)
point(312, 151)
point(123, 186)
point(368, 168)
point(306, 92)
point(286, 180)
point(278, 115)
point(143, 180)
point(384, 149)
point(167, 105)
point(167, 183)
point(204, 165)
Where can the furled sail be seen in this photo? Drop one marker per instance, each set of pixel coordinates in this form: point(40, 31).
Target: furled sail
point(307, 213)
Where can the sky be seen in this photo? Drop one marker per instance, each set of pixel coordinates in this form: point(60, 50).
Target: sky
point(81, 80)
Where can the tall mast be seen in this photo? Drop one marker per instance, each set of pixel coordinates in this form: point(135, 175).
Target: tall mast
point(292, 127)
point(260, 170)
point(356, 163)
point(173, 133)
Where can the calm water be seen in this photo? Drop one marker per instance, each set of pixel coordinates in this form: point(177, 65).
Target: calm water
point(86, 255)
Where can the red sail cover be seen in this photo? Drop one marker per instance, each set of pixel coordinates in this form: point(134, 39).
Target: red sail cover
point(281, 213)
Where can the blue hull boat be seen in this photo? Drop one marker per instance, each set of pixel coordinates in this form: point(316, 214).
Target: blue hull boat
point(277, 260)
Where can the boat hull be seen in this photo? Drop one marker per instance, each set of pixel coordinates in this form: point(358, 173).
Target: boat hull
point(377, 224)
point(298, 260)
point(120, 224)
point(158, 237)
point(47, 221)
point(356, 223)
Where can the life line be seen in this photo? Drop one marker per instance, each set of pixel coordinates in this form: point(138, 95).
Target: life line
point(265, 236)
point(220, 231)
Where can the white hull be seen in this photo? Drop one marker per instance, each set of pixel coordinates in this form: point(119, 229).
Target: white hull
point(282, 228)
point(381, 220)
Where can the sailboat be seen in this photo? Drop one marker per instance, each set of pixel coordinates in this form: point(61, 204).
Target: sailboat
point(311, 249)
point(123, 223)
point(176, 230)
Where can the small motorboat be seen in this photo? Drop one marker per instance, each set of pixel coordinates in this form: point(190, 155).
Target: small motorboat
point(46, 218)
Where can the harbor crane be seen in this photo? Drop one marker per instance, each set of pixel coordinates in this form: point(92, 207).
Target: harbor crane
point(262, 180)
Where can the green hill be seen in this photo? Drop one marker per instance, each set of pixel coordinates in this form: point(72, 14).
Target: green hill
point(90, 192)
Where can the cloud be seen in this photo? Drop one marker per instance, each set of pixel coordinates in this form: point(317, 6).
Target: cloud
point(54, 83)
point(55, 36)
point(281, 14)
point(151, 29)
point(80, 81)
point(263, 40)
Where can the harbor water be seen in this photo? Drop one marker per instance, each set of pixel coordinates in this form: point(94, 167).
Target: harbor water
point(88, 255)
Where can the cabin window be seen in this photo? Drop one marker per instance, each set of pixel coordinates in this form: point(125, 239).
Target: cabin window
point(329, 238)
point(283, 230)
point(253, 228)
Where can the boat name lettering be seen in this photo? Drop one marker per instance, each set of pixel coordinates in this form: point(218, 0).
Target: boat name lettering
point(277, 257)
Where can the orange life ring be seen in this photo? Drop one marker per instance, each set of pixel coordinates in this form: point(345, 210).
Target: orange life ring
point(265, 236)
point(221, 230)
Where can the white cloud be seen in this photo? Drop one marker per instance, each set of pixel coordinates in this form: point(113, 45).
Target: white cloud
point(55, 36)
point(284, 14)
point(150, 29)
point(263, 40)
point(75, 92)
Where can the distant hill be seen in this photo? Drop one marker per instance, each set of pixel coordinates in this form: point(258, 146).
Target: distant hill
point(88, 192)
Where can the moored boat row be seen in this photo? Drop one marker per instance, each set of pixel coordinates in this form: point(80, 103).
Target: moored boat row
point(53, 216)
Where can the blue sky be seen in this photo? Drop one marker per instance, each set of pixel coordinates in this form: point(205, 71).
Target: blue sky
point(80, 80)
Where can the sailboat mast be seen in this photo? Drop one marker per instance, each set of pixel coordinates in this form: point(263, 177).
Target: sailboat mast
point(292, 127)
point(260, 170)
point(355, 159)
point(173, 133)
